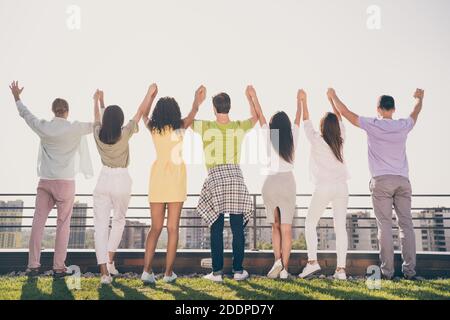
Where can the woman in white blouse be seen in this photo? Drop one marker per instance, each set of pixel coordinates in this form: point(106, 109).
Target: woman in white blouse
point(329, 174)
point(279, 190)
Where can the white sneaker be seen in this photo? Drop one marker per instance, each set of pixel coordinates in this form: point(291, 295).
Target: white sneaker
point(169, 279)
point(276, 269)
point(284, 274)
point(148, 278)
point(340, 275)
point(214, 278)
point(241, 276)
point(112, 269)
point(309, 270)
point(105, 280)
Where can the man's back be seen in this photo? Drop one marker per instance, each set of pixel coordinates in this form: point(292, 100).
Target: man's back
point(387, 145)
point(222, 142)
point(60, 141)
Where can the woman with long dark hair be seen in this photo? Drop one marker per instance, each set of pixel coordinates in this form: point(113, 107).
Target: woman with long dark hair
point(113, 188)
point(279, 190)
point(330, 176)
point(167, 187)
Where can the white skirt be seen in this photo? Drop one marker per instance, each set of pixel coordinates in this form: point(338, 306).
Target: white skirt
point(279, 191)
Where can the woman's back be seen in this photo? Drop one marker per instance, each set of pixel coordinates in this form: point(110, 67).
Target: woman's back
point(169, 145)
point(324, 165)
point(116, 155)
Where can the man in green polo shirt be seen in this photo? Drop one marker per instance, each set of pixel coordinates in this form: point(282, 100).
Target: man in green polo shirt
point(224, 191)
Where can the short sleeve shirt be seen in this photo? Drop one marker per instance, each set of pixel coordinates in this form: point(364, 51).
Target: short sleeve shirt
point(386, 139)
point(116, 155)
point(222, 142)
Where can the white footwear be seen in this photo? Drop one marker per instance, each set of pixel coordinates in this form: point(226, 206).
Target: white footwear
point(148, 278)
point(213, 277)
point(276, 269)
point(309, 270)
point(105, 280)
point(112, 269)
point(241, 276)
point(340, 275)
point(284, 274)
point(169, 279)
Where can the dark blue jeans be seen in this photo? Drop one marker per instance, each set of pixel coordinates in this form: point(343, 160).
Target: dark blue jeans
point(237, 228)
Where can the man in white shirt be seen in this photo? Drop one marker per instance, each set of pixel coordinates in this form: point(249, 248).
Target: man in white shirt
point(63, 152)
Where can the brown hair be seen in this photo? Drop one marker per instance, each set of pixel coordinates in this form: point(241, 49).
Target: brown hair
point(222, 103)
point(331, 133)
point(60, 107)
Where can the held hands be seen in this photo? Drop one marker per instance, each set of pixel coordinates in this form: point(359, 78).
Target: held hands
point(250, 92)
point(301, 96)
point(98, 96)
point(16, 90)
point(153, 90)
point(419, 94)
point(331, 94)
point(200, 96)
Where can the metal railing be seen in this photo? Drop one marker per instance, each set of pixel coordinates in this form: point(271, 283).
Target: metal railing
point(254, 223)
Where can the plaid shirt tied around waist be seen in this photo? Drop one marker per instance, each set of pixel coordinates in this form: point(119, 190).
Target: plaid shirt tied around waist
point(224, 192)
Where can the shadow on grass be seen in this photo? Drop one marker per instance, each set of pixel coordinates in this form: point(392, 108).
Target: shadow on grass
point(60, 291)
point(279, 294)
point(419, 290)
point(440, 286)
point(188, 293)
point(246, 294)
point(106, 292)
point(337, 293)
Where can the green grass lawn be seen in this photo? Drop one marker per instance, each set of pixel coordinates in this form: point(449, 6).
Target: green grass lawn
point(16, 288)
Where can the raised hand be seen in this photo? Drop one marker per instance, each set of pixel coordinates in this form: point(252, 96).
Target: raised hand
point(331, 93)
point(200, 95)
point(419, 94)
point(101, 96)
point(98, 95)
point(301, 95)
point(16, 90)
point(250, 92)
point(153, 90)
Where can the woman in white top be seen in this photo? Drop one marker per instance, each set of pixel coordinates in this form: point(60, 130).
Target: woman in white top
point(279, 190)
point(330, 177)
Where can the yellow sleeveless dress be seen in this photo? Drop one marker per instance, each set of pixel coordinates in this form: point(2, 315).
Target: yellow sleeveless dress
point(168, 174)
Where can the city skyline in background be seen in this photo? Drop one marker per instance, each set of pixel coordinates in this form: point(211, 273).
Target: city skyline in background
point(432, 230)
point(226, 45)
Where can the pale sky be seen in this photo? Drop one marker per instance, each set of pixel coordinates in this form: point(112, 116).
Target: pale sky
point(278, 46)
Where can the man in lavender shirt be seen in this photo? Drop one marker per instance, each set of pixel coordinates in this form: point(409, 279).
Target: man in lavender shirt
point(390, 185)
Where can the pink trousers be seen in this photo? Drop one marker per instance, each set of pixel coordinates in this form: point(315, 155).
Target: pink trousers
point(50, 193)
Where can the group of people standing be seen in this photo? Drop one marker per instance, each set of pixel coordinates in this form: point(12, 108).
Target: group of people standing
point(63, 153)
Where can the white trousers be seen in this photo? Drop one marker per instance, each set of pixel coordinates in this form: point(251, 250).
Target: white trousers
point(113, 192)
point(337, 195)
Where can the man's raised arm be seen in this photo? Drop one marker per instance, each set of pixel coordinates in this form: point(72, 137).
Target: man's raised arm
point(199, 98)
point(255, 106)
point(342, 108)
point(418, 95)
point(32, 121)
